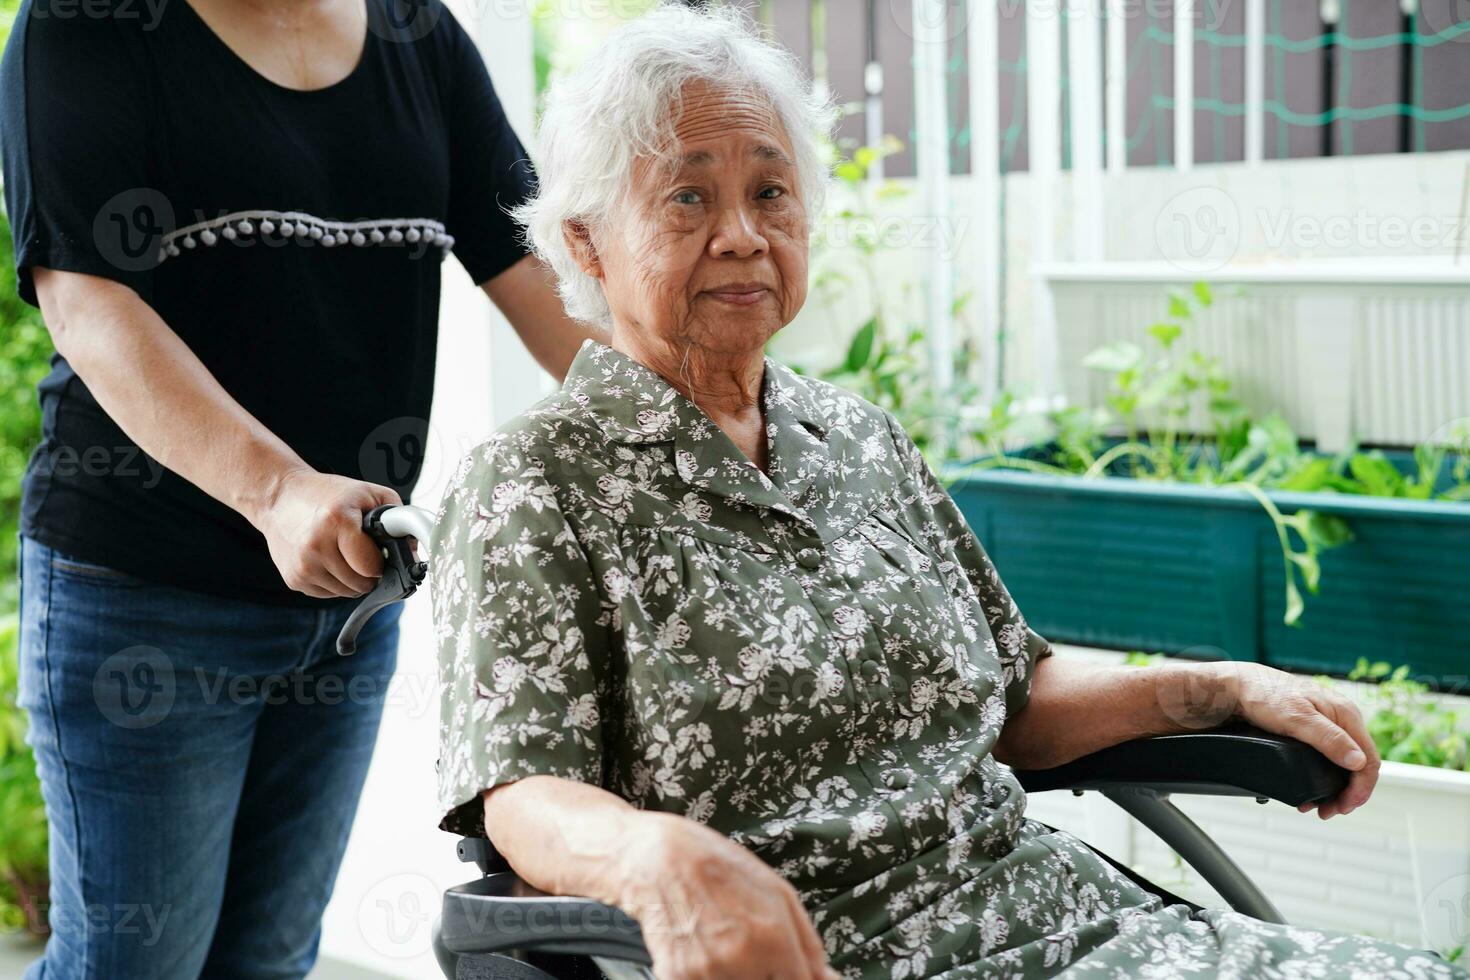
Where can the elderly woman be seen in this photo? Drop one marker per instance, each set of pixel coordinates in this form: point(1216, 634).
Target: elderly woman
point(717, 647)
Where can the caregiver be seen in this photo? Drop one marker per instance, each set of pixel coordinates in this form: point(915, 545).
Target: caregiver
point(232, 214)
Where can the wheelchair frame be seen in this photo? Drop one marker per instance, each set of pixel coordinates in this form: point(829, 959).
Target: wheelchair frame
point(486, 925)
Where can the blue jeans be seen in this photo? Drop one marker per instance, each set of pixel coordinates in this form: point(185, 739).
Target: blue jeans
point(201, 760)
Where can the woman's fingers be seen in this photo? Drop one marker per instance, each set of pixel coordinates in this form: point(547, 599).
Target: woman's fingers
point(1346, 716)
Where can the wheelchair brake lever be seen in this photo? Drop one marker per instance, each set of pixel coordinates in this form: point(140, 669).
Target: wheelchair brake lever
point(389, 526)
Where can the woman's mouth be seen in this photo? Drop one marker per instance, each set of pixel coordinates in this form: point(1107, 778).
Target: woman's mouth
point(739, 295)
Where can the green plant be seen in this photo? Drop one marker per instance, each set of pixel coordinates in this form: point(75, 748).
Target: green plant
point(23, 840)
point(25, 353)
point(1155, 393)
point(888, 360)
point(1152, 396)
point(1408, 723)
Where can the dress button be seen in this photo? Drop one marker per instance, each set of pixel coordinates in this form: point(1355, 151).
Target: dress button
point(872, 669)
point(898, 780)
point(809, 558)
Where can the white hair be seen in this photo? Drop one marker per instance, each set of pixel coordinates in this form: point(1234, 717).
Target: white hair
point(621, 105)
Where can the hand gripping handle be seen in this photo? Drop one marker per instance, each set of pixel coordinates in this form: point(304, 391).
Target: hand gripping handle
point(390, 526)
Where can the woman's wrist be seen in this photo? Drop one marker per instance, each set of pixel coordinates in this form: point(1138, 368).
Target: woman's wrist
point(1192, 697)
point(648, 848)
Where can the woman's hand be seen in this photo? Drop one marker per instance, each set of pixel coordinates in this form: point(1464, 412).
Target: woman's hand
point(1285, 704)
point(313, 524)
point(711, 909)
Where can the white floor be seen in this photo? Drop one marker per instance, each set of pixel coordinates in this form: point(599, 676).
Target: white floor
point(16, 954)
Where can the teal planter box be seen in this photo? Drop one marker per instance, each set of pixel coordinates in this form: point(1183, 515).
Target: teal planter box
point(1138, 565)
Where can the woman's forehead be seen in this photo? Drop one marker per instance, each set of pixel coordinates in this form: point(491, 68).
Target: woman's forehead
point(712, 124)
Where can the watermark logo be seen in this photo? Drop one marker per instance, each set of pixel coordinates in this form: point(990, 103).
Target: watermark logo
point(945, 19)
point(395, 917)
point(394, 453)
point(404, 21)
point(150, 12)
point(135, 688)
point(1446, 913)
point(1199, 229)
point(129, 229)
point(1198, 699)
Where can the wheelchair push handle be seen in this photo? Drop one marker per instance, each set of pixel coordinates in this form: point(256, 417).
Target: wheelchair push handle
point(390, 526)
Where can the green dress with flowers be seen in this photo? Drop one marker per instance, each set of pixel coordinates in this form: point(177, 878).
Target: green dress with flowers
point(815, 663)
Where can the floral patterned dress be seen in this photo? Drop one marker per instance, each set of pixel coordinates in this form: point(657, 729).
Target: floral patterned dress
point(815, 663)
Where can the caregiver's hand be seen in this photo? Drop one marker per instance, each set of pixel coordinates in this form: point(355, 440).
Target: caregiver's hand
point(1300, 708)
point(711, 909)
point(313, 524)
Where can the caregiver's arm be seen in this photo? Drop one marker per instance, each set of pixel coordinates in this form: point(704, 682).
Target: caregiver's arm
point(526, 294)
point(708, 907)
point(1077, 708)
point(163, 397)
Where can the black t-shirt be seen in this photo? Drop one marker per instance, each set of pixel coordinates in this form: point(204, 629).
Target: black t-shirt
point(292, 239)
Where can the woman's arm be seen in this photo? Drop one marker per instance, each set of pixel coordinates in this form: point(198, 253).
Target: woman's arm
point(527, 296)
point(164, 398)
point(707, 906)
point(1077, 708)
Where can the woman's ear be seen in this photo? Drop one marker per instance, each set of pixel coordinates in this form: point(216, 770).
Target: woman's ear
point(579, 241)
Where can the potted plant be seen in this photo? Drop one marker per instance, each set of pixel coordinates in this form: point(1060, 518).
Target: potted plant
point(1130, 528)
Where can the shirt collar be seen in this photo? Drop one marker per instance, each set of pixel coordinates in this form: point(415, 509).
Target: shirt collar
point(631, 403)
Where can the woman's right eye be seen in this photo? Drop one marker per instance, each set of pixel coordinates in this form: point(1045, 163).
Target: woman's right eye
point(686, 197)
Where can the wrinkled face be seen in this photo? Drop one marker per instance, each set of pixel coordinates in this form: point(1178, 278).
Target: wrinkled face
point(711, 252)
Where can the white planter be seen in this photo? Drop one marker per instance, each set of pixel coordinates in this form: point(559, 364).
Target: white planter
point(1397, 868)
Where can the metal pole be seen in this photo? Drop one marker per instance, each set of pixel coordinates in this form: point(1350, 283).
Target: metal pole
point(1043, 119)
point(1117, 87)
point(873, 89)
point(984, 55)
point(931, 119)
point(1184, 84)
point(1255, 81)
point(1084, 58)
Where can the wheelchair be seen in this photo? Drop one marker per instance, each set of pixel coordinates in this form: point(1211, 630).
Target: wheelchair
point(497, 927)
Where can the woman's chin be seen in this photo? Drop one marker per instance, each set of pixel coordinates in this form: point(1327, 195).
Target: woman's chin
point(736, 330)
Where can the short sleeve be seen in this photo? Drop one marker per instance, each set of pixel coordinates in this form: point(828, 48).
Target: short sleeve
point(74, 130)
point(521, 635)
point(490, 171)
point(1018, 646)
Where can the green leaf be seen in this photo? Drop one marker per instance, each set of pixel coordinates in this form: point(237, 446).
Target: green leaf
point(1179, 307)
point(860, 351)
point(1274, 437)
point(1310, 568)
point(1203, 293)
point(1379, 477)
point(1294, 604)
point(1311, 476)
point(1166, 333)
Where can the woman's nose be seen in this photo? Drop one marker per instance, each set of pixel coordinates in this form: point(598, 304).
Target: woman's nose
point(737, 234)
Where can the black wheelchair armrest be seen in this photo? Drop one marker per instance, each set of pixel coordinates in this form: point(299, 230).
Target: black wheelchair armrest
point(500, 912)
point(1233, 760)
